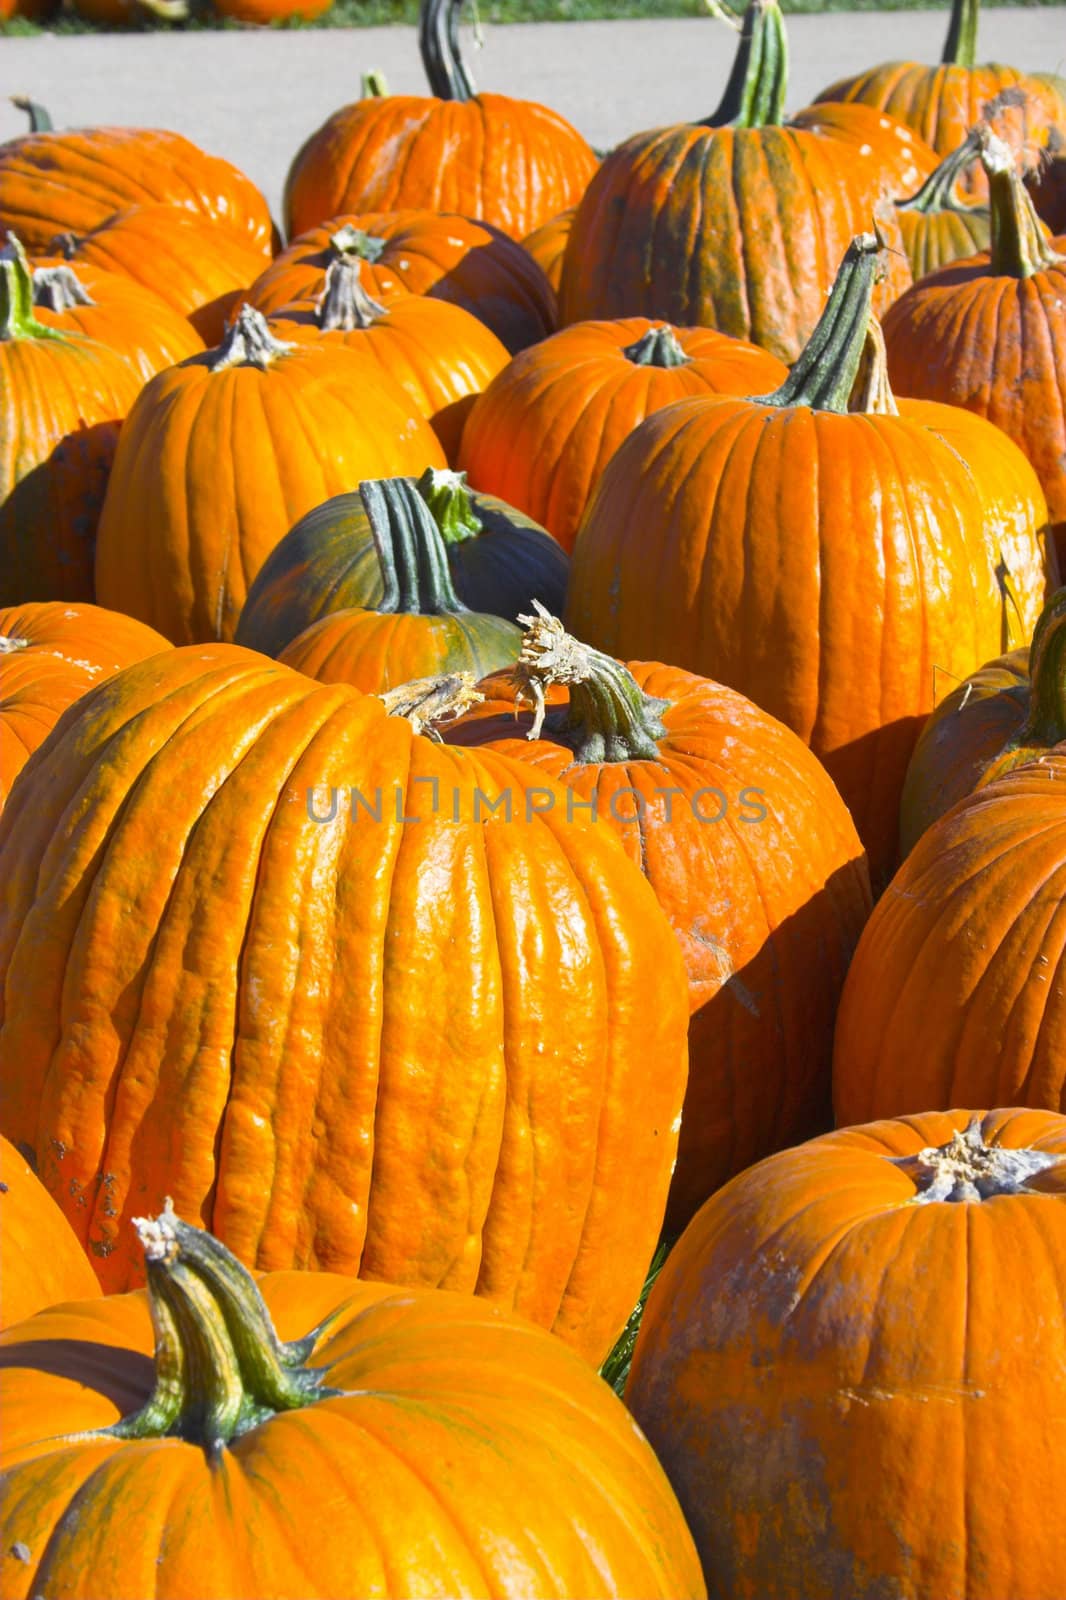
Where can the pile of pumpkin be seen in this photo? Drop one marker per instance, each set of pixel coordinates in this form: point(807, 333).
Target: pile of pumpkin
point(121, 14)
point(518, 710)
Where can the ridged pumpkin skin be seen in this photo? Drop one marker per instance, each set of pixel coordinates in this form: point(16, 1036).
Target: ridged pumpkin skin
point(424, 1052)
point(840, 1374)
point(958, 985)
point(547, 425)
point(198, 267)
point(218, 459)
point(939, 224)
point(327, 562)
point(111, 308)
point(375, 652)
point(425, 1403)
point(754, 859)
point(419, 252)
point(512, 163)
point(547, 245)
point(72, 181)
point(50, 654)
point(41, 1262)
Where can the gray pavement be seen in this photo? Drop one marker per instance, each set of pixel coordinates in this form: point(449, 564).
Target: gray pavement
point(255, 96)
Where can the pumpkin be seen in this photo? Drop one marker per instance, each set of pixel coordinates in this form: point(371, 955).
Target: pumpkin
point(199, 268)
point(114, 310)
point(547, 425)
point(71, 181)
point(547, 245)
point(221, 455)
point(498, 561)
point(407, 1406)
point(943, 103)
point(959, 980)
point(419, 627)
point(441, 356)
point(513, 163)
point(1009, 712)
point(264, 13)
point(50, 654)
point(938, 224)
point(41, 1262)
point(735, 222)
point(989, 333)
point(62, 398)
point(820, 562)
point(447, 258)
point(130, 13)
point(268, 950)
point(839, 1366)
point(751, 853)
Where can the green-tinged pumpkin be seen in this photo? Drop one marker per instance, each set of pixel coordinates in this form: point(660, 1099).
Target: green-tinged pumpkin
point(499, 561)
point(853, 1365)
point(463, 1451)
point(418, 627)
point(41, 1262)
point(358, 1002)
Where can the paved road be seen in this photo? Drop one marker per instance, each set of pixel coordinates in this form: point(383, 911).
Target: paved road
point(254, 97)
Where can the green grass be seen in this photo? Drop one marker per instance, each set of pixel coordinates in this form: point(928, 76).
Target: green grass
point(378, 13)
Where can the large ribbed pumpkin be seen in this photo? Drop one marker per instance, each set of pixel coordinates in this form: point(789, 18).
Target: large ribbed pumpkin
point(547, 425)
point(510, 162)
point(853, 1365)
point(41, 1262)
point(461, 1451)
point(751, 853)
point(223, 453)
point(958, 987)
point(737, 222)
point(822, 562)
point(251, 959)
point(114, 310)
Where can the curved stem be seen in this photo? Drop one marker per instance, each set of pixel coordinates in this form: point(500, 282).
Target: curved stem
point(248, 342)
point(447, 495)
point(937, 193)
point(609, 718)
point(438, 42)
point(871, 393)
point(17, 320)
point(658, 347)
point(1046, 722)
point(967, 1170)
point(59, 289)
point(960, 46)
point(411, 552)
point(1018, 246)
point(40, 121)
point(754, 96)
point(344, 304)
point(824, 374)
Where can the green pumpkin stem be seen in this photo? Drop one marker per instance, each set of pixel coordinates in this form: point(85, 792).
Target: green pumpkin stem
point(438, 42)
point(1018, 243)
point(411, 551)
point(659, 347)
point(1046, 722)
point(248, 342)
point(17, 319)
point(960, 46)
point(937, 193)
point(344, 304)
point(220, 1366)
point(40, 121)
point(824, 374)
point(609, 718)
point(754, 96)
point(447, 495)
point(375, 85)
point(353, 242)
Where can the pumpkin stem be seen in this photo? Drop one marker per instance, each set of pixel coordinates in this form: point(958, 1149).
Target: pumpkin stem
point(1018, 245)
point(17, 320)
point(438, 43)
point(937, 193)
point(960, 46)
point(374, 86)
point(608, 718)
point(966, 1169)
point(220, 1366)
point(824, 374)
point(9, 644)
point(425, 701)
point(344, 304)
point(658, 347)
point(40, 121)
point(59, 288)
point(872, 393)
point(754, 96)
point(411, 551)
point(448, 497)
point(248, 342)
point(353, 242)
point(1046, 722)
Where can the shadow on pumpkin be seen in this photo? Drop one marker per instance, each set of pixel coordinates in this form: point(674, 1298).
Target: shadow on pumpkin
point(49, 519)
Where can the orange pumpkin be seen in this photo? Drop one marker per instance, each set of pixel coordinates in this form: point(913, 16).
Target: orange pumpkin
point(938, 224)
point(264, 13)
point(62, 398)
point(114, 310)
point(751, 853)
point(251, 958)
point(853, 1365)
point(447, 258)
point(407, 1406)
point(959, 981)
point(547, 245)
point(41, 1262)
point(547, 425)
point(262, 430)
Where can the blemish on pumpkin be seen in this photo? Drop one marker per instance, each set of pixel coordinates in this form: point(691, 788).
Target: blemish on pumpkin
point(21, 1552)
